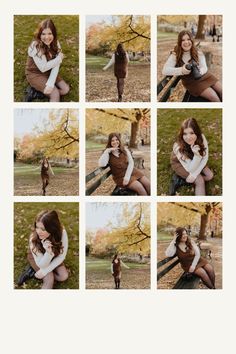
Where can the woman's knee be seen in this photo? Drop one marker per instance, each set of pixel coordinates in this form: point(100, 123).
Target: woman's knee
point(65, 89)
point(49, 278)
point(199, 180)
point(62, 274)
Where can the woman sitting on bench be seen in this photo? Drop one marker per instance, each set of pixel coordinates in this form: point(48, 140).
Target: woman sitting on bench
point(190, 155)
point(190, 63)
point(121, 163)
point(189, 256)
point(43, 63)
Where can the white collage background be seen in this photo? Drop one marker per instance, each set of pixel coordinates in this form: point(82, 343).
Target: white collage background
point(132, 321)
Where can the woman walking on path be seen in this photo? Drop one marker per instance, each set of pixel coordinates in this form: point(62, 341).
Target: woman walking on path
point(43, 64)
point(120, 60)
point(116, 270)
point(189, 256)
point(190, 63)
point(45, 168)
point(190, 155)
point(121, 163)
point(48, 245)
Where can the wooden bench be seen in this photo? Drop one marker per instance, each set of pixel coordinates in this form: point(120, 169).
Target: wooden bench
point(186, 280)
point(99, 175)
point(169, 83)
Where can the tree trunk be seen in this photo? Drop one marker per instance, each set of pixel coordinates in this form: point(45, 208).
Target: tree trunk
point(204, 220)
point(200, 28)
point(134, 131)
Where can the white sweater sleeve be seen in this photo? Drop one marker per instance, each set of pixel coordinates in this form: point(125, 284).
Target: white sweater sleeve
point(171, 249)
point(197, 254)
point(130, 165)
point(169, 67)
point(53, 75)
point(110, 63)
point(202, 63)
point(60, 258)
point(41, 259)
point(41, 61)
point(104, 158)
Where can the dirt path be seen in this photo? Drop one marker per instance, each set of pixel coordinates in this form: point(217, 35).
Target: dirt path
point(169, 280)
point(131, 279)
point(66, 183)
point(108, 186)
point(101, 86)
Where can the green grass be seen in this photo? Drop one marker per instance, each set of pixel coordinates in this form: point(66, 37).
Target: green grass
point(26, 170)
point(68, 36)
point(97, 264)
point(162, 236)
point(91, 145)
point(24, 217)
point(168, 125)
point(98, 62)
point(166, 35)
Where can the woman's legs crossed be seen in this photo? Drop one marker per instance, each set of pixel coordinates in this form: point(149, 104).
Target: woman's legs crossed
point(138, 188)
point(218, 88)
point(60, 273)
point(145, 182)
point(63, 87)
point(200, 185)
point(208, 174)
point(211, 273)
point(210, 94)
point(201, 273)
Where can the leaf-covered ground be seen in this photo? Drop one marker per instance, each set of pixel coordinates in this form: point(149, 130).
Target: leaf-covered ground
point(169, 280)
point(168, 125)
point(101, 85)
point(108, 185)
point(165, 44)
point(27, 181)
point(98, 275)
point(24, 217)
point(68, 36)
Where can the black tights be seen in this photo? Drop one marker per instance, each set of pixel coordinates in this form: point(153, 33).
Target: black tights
point(207, 275)
point(117, 282)
point(120, 87)
point(45, 183)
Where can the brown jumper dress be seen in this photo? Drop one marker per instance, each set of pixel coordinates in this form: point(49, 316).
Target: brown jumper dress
point(35, 77)
point(186, 259)
point(178, 168)
point(196, 87)
point(116, 268)
point(118, 166)
point(120, 66)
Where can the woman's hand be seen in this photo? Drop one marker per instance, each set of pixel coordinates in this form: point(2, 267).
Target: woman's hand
point(61, 56)
point(195, 149)
point(125, 181)
point(112, 149)
point(185, 71)
point(190, 179)
point(191, 269)
point(47, 245)
point(39, 274)
point(48, 90)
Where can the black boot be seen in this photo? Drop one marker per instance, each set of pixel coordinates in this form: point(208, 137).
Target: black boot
point(176, 183)
point(118, 284)
point(120, 98)
point(32, 94)
point(28, 273)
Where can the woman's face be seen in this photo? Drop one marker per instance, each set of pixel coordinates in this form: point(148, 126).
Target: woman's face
point(115, 142)
point(184, 236)
point(47, 36)
point(41, 232)
point(186, 43)
point(189, 136)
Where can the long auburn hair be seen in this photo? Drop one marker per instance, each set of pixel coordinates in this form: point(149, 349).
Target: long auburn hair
point(178, 50)
point(184, 148)
point(117, 135)
point(179, 231)
point(42, 48)
point(120, 54)
point(115, 257)
point(53, 226)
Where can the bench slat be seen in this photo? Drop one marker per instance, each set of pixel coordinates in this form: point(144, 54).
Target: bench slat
point(167, 269)
point(94, 173)
point(96, 184)
point(187, 283)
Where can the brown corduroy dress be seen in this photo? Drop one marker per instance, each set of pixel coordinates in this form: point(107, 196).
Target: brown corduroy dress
point(186, 259)
point(118, 166)
point(35, 77)
point(116, 268)
point(120, 67)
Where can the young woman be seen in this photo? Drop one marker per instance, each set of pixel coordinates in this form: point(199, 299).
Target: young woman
point(43, 63)
point(206, 84)
point(190, 155)
point(121, 163)
point(48, 246)
point(120, 60)
point(116, 270)
point(190, 259)
point(45, 168)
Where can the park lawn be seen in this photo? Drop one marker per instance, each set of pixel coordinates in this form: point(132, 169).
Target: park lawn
point(68, 35)
point(168, 125)
point(92, 145)
point(24, 217)
point(98, 275)
point(27, 180)
point(166, 35)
